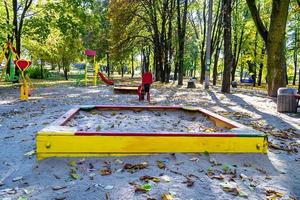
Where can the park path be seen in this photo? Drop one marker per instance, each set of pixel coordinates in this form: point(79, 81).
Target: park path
point(185, 176)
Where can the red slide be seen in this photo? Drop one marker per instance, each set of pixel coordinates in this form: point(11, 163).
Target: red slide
point(106, 80)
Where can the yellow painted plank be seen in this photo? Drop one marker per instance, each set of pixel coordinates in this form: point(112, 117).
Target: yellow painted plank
point(64, 145)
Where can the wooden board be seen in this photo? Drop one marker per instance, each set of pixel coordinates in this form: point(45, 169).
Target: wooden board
point(126, 89)
point(70, 145)
point(58, 140)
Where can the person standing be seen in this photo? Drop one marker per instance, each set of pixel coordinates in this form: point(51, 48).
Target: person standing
point(147, 80)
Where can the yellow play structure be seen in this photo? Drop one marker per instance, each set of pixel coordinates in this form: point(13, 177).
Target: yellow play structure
point(11, 59)
point(91, 72)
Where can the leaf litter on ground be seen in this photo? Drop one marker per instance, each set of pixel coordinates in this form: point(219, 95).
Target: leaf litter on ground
point(135, 167)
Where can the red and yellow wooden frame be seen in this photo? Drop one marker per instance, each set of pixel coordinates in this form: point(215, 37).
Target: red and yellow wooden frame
point(126, 89)
point(58, 140)
point(24, 89)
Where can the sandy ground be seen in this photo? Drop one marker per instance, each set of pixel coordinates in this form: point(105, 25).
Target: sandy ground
point(184, 176)
point(142, 121)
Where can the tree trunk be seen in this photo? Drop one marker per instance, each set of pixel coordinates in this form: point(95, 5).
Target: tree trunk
point(295, 67)
point(66, 73)
point(176, 71)
point(275, 42)
point(132, 65)
point(202, 52)
point(42, 71)
point(295, 58)
point(107, 64)
point(227, 46)
point(208, 45)
point(181, 38)
point(216, 60)
point(261, 65)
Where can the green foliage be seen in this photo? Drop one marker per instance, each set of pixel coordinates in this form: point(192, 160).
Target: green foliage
point(34, 72)
point(57, 32)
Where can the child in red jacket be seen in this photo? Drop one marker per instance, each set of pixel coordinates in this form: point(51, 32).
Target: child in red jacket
point(147, 80)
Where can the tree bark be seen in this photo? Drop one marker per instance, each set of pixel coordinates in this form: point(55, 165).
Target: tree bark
point(42, 71)
point(208, 45)
point(216, 60)
point(132, 65)
point(295, 57)
point(107, 64)
point(227, 46)
point(275, 41)
point(181, 38)
point(261, 65)
point(169, 50)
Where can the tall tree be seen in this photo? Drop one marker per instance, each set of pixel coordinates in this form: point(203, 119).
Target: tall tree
point(274, 39)
point(208, 45)
point(181, 30)
point(227, 46)
point(295, 55)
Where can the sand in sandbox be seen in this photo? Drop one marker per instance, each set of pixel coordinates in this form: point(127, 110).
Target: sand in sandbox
point(142, 121)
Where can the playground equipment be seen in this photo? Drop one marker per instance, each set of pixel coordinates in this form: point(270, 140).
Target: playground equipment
point(91, 72)
point(24, 90)
point(105, 79)
point(61, 140)
point(126, 89)
point(7, 56)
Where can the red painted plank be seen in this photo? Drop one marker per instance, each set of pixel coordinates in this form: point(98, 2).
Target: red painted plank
point(139, 107)
point(169, 134)
point(221, 118)
point(66, 117)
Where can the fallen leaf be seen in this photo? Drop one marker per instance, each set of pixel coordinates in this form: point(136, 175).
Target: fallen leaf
point(81, 161)
point(247, 165)
point(26, 191)
point(22, 198)
point(92, 175)
point(105, 172)
point(160, 164)
point(142, 188)
point(189, 182)
point(75, 176)
point(225, 168)
point(261, 170)
point(165, 178)
point(243, 177)
point(134, 167)
point(194, 159)
point(220, 177)
point(147, 187)
point(30, 153)
point(242, 193)
point(213, 161)
point(58, 187)
point(166, 196)
point(272, 194)
point(147, 178)
point(118, 161)
point(229, 187)
point(73, 163)
point(17, 179)
point(109, 187)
